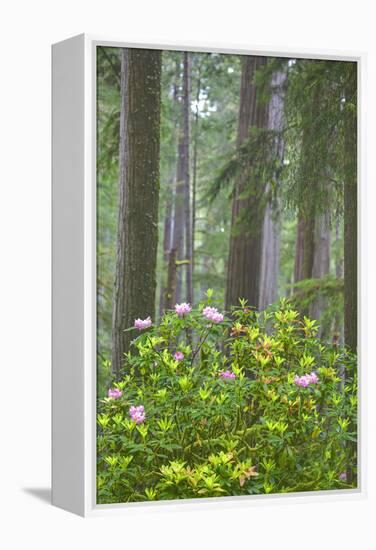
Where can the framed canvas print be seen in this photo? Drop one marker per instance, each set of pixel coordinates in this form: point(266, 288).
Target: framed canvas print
point(206, 281)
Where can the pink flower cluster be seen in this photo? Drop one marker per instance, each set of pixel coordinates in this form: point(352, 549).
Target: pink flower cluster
point(306, 380)
point(142, 323)
point(227, 374)
point(178, 356)
point(114, 393)
point(137, 414)
point(212, 314)
point(182, 309)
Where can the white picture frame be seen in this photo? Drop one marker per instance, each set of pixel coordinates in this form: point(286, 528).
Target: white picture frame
point(74, 275)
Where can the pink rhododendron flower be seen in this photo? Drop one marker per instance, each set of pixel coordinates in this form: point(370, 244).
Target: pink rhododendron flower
point(114, 393)
point(227, 374)
point(217, 317)
point(313, 378)
point(142, 323)
point(179, 356)
point(137, 414)
point(212, 314)
point(182, 309)
point(306, 380)
point(208, 311)
point(302, 381)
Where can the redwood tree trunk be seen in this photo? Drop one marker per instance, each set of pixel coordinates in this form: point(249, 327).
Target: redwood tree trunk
point(272, 222)
point(307, 207)
point(243, 272)
point(350, 215)
point(135, 282)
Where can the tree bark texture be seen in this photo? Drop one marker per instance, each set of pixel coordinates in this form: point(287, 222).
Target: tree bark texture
point(244, 262)
point(135, 281)
point(350, 213)
point(272, 220)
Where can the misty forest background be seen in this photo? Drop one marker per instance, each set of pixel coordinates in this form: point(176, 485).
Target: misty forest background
point(231, 172)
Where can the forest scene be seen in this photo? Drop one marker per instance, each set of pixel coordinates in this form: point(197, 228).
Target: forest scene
point(226, 275)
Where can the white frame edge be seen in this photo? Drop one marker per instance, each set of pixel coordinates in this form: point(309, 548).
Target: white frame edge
point(74, 278)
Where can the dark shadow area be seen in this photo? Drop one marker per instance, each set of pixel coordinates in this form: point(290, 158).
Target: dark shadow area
point(43, 494)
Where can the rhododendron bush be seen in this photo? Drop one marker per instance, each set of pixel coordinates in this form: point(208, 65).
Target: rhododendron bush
point(214, 405)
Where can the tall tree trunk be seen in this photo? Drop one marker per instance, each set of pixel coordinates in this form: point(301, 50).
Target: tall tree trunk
point(194, 175)
point(169, 222)
point(135, 282)
point(272, 221)
point(179, 195)
point(307, 208)
point(350, 212)
point(351, 236)
point(186, 161)
point(167, 241)
point(244, 263)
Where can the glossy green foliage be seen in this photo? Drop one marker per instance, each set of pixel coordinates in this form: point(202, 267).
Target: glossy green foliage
point(227, 414)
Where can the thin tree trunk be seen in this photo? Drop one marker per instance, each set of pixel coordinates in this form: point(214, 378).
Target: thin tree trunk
point(169, 221)
point(194, 178)
point(244, 263)
point(179, 210)
point(167, 242)
point(187, 189)
point(135, 282)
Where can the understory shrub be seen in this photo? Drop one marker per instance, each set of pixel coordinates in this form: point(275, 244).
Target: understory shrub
point(210, 405)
